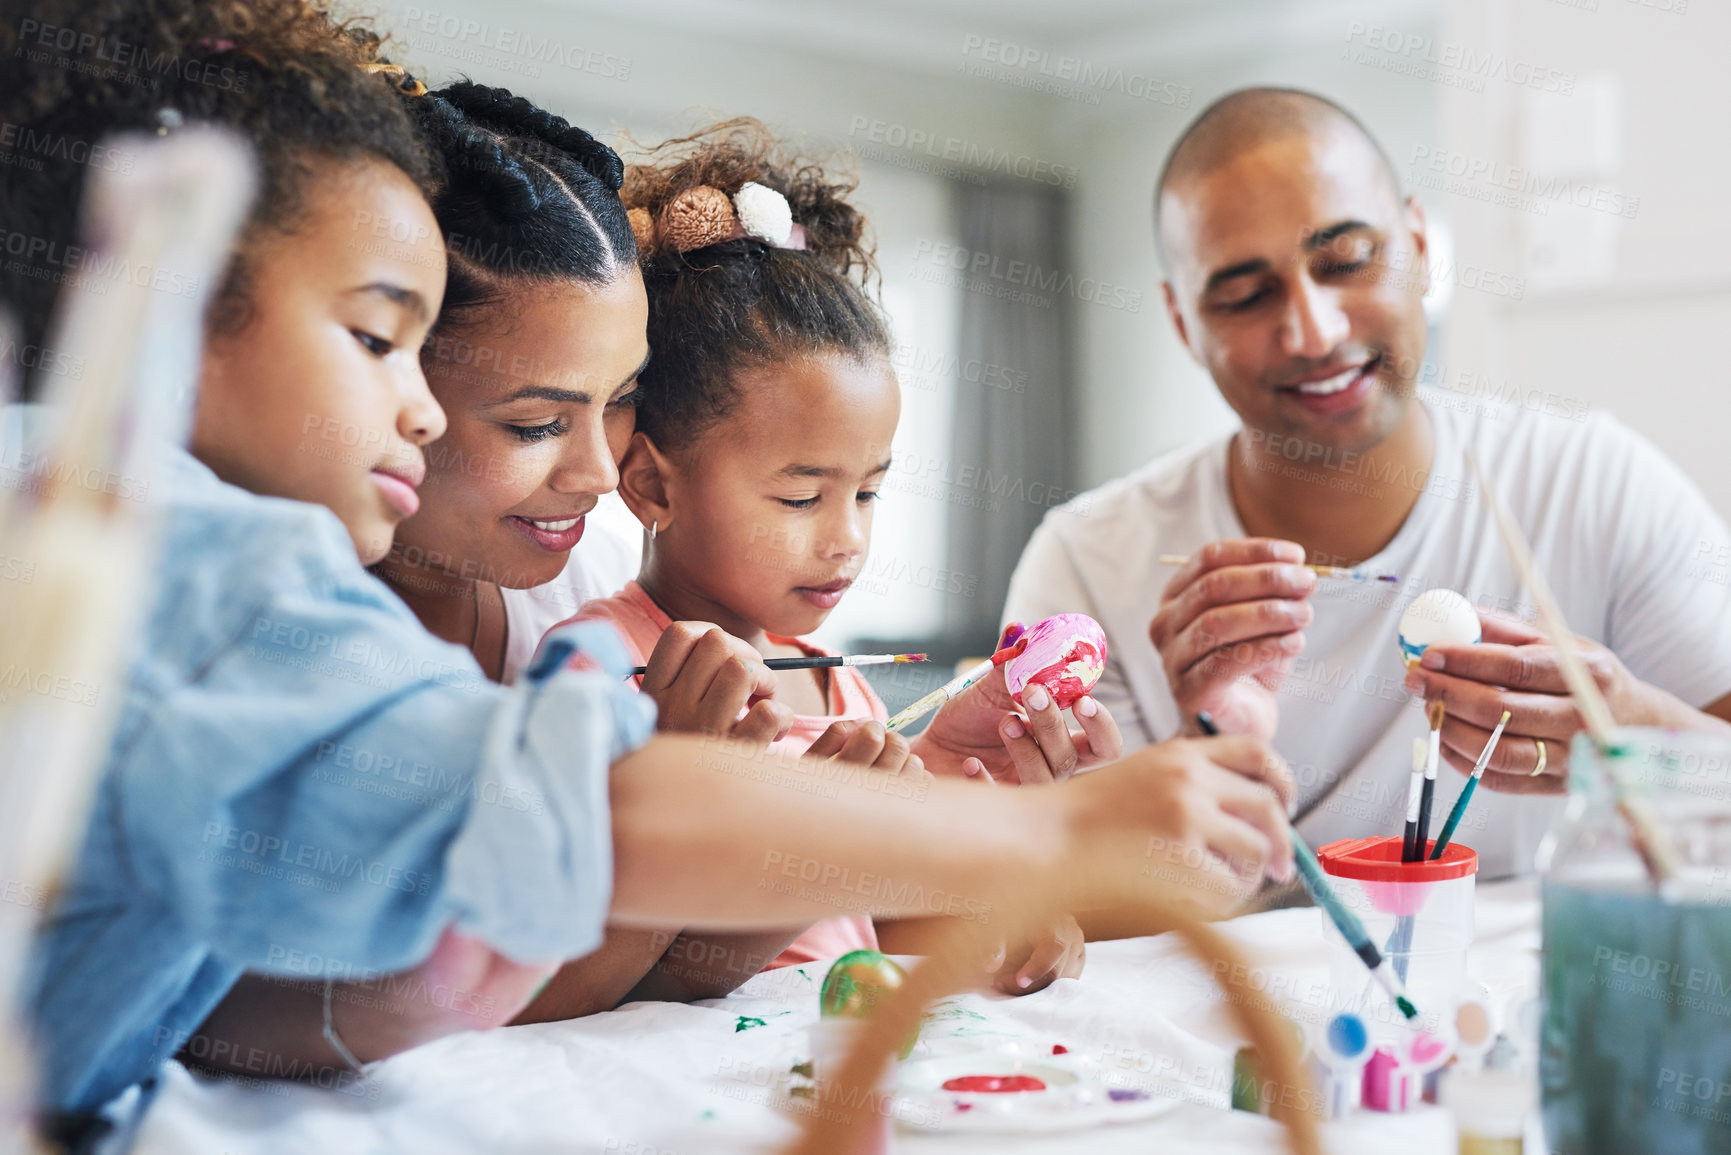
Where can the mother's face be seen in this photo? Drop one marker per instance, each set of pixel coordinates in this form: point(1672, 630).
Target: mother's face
point(539, 391)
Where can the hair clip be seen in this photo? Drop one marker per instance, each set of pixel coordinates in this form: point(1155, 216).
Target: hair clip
point(704, 215)
point(398, 76)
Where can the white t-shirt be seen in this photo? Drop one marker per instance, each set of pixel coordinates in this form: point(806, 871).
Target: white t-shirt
point(608, 557)
point(1635, 555)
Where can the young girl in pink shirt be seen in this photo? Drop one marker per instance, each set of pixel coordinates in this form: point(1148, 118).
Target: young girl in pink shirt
point(763, 438)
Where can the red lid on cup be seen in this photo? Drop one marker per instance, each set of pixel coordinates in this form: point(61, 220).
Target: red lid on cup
point(1378, 860)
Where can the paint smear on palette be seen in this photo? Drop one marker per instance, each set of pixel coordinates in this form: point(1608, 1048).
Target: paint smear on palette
point(1427, 1050)
point(1065, 653)
point(1125, 1095)
point(994, 1084)
point(746, 1022)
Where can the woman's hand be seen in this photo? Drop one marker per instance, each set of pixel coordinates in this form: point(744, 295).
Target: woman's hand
point(702, 678)
point(982, 733)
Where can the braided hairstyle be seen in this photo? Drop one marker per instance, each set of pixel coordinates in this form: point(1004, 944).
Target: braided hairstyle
point(744, 304)
point(284, 74)
point(526, 196)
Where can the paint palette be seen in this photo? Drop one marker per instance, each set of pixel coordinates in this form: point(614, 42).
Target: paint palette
point(1011, 1091)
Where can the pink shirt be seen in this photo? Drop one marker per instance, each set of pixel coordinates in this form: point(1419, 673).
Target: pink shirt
point(640, 622)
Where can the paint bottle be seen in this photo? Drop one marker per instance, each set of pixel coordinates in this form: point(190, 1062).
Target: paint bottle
point(1247, 1080)
point(1490, 1107)
point(1337, 1063)
point(1388, 1084)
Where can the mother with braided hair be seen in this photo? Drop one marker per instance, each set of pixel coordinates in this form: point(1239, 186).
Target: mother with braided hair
point(534, 359)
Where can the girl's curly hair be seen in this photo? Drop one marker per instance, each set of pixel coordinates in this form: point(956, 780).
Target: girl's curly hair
point(743, 303)
point(284, 74)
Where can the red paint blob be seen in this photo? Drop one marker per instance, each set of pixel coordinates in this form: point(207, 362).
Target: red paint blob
point(994, 1084)
point(1065, 687)
point(1060, 1049)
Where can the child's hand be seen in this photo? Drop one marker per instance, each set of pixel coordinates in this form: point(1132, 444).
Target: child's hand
point(983, 731)
point(701, 677)
point(868, 744)
point(1057, 952)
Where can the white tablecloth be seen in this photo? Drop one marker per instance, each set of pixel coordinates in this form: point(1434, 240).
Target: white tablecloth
point(670, 1079)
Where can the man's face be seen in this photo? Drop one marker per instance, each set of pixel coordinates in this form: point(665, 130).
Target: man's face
point(1297, 278)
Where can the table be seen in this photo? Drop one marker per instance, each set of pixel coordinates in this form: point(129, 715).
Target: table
point(672, 1079)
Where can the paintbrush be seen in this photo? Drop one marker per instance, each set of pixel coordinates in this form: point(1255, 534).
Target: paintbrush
point(939, 696)
point(1353, 573)
point(1651, 842)
point(1460, 806)
point(1351, 929)
point(1414, 794)
point(825, 663)
point(1427, 793)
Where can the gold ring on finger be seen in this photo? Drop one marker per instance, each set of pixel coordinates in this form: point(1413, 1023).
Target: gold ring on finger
point(1540, 768)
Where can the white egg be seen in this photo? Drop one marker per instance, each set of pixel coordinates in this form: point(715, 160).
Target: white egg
point(1436, 616)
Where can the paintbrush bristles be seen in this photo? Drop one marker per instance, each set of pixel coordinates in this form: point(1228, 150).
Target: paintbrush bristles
point(1436, 713)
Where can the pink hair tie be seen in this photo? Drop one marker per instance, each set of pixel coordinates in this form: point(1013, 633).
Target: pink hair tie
point(211, 44)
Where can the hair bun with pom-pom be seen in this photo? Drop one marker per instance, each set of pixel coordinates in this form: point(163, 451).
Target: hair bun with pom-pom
point(764, 213)
point(696, 218)
point(642, 229)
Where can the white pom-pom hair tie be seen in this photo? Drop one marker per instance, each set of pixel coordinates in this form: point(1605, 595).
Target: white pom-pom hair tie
point(703, 215)
point(763, 213)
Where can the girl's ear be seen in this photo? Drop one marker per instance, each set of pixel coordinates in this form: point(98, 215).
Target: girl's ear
point(644, 477)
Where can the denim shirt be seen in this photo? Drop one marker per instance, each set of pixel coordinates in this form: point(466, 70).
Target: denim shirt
point(304, 782)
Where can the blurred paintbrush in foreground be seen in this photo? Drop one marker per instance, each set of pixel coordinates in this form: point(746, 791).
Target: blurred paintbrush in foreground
point(1650, 838)
point(75, 516)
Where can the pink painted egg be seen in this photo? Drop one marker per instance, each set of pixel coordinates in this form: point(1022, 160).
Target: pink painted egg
point(1065, 653)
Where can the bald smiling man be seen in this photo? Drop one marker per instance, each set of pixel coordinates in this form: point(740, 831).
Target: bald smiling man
point(1296, 271)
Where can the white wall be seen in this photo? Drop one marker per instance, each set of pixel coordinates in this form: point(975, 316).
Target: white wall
point(873, 79)
point(1623, 313)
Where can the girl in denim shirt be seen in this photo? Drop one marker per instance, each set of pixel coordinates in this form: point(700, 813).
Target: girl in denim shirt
point(303, 781)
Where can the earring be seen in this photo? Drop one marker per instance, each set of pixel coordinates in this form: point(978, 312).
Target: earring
point(653, 526)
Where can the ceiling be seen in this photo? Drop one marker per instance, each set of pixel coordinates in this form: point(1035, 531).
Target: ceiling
point(929, 35)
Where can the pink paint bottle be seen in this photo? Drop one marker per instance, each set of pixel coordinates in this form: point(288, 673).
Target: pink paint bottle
point(1389, 1085)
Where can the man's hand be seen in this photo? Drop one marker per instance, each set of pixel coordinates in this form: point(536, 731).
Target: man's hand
point(1230, 622)
point(1204, 819)
point(1515, 669)
point(702, 677)
point(982, 733)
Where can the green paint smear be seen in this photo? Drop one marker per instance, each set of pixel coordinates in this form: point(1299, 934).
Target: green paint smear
point(746, 1022)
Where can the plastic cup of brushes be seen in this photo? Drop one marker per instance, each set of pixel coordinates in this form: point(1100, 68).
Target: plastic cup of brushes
point(1419, 915)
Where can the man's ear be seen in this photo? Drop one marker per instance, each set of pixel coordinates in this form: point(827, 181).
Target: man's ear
point(647, 480)
point(1177, 316)
point(1413, 217)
